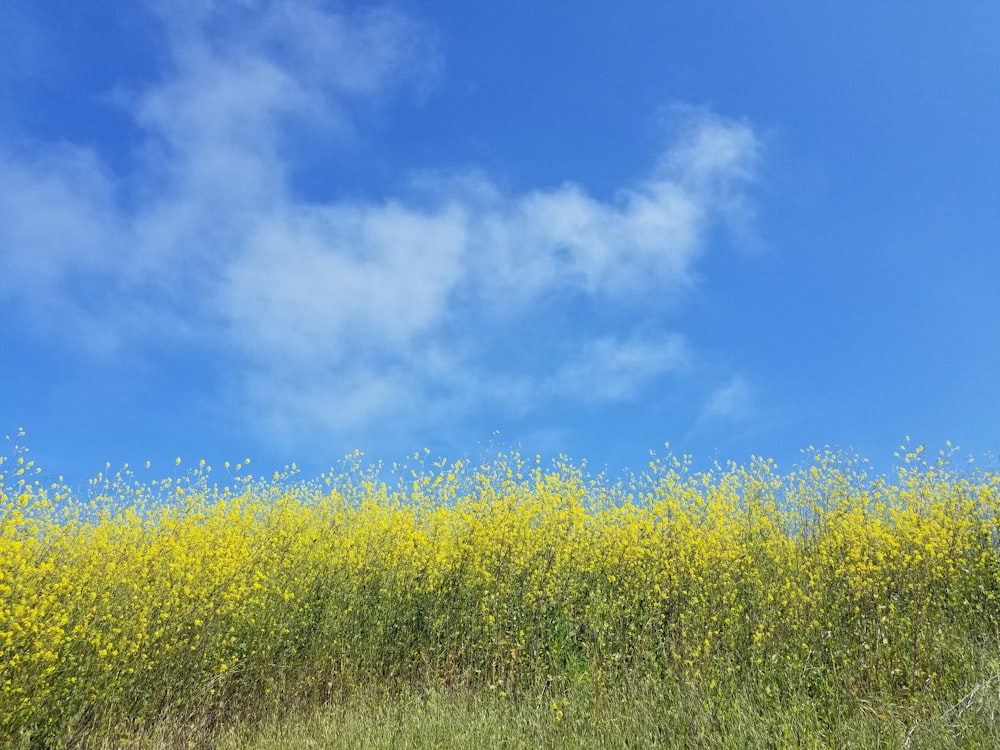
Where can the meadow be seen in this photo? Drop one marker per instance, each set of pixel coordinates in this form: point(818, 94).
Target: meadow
point(504, 603)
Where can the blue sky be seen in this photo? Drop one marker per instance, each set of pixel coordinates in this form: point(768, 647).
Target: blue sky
point(288, 230)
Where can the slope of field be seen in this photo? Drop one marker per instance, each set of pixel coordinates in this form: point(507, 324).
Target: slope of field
point(185, 603)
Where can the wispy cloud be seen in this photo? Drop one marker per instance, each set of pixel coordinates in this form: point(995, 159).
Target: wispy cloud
point(733, 400)
point(609, 369)
point(341, 315)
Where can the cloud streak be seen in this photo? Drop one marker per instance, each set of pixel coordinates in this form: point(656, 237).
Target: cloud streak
point(731, 401)
point(610, 369)
point(341, 315)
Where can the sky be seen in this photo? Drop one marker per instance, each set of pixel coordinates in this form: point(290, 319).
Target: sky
point(292, 230)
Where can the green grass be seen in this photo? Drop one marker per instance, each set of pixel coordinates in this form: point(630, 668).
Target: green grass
point(641, 714)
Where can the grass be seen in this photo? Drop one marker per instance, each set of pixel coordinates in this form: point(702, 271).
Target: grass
point(638, 717)
point(629, 715)
point(503, 605)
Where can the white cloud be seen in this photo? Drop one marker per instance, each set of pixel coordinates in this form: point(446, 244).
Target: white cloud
point(647, 240)
point(564, 238)
point(731, 401)
point(342, 315)
point(243, 72)
point(609, 369)
point(310, 283)
point(711, 153)
point(56, 215)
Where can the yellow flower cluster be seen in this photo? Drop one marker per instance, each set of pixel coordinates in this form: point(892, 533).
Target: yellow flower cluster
point(181, 595)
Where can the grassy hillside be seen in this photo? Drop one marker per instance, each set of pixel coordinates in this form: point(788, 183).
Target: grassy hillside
point(680, 607)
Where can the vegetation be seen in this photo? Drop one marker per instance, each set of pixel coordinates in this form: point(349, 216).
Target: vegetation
point(513, 603)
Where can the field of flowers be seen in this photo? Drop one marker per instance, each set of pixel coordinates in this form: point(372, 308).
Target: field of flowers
point(136, 601)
